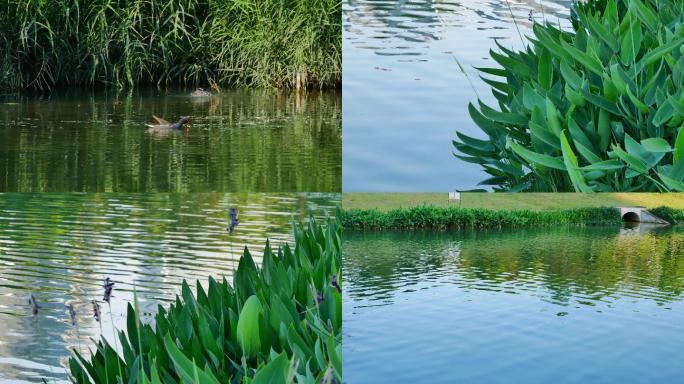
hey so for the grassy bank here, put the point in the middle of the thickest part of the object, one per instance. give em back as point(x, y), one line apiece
point(267, 43)
point(280, 323)
point(510, 201)
point(440, 218)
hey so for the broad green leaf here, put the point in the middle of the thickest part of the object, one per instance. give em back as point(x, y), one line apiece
point(248, 326)
point(537, 158)
point(274, 372)
point(631, 44)
point(656, 144)
point(570, 161)
point(679, 146)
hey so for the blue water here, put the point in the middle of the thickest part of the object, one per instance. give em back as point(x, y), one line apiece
point(596, 305)
point(403, 93)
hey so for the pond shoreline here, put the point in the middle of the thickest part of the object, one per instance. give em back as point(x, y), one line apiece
point(454, 218)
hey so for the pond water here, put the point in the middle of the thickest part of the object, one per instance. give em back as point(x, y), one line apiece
point(241, 140)
point(61, 247)
point(566, 305)
point(403, 93)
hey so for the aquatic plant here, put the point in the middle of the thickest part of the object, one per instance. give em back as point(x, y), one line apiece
point(599, 108)
point(432, 217)
point(269, 326)
point(268, 43)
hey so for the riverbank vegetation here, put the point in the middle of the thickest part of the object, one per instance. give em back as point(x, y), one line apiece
point(268, 43)
point(599, 108)
point(385, 201)
point(280, 323)
point(439, 218)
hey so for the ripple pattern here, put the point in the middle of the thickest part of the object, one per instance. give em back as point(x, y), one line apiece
point(600, 305)
point(60, 247)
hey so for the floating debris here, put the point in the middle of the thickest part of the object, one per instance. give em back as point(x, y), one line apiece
point(334, 283)
point(34, 304)
point(96, 311)
point(233, 214)
point(108, 286)
point(72, 312)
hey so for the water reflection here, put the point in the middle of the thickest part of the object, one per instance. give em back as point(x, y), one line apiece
point(404, 94)
point(575, 305)
point(241, 140)
point(578, 266)
point(62, 247)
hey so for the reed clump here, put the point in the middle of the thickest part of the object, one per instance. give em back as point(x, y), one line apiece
point(123, 43)
point(280, 323)
point(438, 218)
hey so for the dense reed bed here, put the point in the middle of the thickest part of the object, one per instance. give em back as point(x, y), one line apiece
point(431, 217)
point(280, 323)
point(267, 43)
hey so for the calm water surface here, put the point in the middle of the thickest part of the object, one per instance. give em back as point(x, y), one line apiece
point(242, 140)
point(403, 93)
point(596, 305)
point(61, 247)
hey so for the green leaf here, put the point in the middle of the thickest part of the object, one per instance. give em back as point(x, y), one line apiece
point(656, 144)
point(645, 14)
point(274, 372)
point(606, 165)
point(537, 158)
point(570, 161)
point(679, 146)
point(248, 326)
point(631, 43)
point(633, 162)
point(185, 367)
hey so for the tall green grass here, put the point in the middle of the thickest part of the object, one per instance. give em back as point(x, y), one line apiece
point(432, 217)
point(280, 323)
point(261, 43)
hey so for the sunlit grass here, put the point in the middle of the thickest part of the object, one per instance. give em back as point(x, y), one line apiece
point(510, 201)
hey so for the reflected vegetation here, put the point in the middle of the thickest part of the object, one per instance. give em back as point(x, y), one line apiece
point(61, 247)
point(572, 265)
point(600, 305)
point(241, 140)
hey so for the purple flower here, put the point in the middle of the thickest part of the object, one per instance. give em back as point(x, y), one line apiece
point(334, 283)
point(108, 286)
point(96, 311)
point(233, 213)
point(72, 312)
point(34, 304)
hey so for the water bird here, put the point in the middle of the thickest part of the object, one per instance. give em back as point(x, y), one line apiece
point(201, 92)
point(34, 304)
point(161, 124)
point(108, 286)
point(233, 214)
point(72, 312)
point(96, 311)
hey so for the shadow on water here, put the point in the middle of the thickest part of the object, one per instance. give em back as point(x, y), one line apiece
point(61, 247)
point(241, 140)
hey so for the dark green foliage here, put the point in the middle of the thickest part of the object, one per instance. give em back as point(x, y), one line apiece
point(672, 215)
point(596, 109)
point(291, 311)
point(267, 43)
point(432, 217)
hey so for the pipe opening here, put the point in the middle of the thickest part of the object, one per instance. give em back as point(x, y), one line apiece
point(631, 217)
